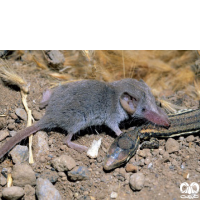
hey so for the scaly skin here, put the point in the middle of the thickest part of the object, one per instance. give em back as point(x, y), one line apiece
point(126, 145)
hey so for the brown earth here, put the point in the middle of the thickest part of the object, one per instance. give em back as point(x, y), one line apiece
point(162, 180)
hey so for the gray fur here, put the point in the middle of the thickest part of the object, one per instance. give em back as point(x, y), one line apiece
point(78, 105)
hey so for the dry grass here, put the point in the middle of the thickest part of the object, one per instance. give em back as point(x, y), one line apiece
point(161, 70)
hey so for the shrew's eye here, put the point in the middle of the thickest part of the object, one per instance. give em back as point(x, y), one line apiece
point(143, 109)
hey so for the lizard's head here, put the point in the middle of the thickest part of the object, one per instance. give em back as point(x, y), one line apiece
point(141, 104)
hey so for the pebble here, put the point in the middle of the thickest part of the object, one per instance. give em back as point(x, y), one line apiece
point(11, 126)
point(3, 122)
point(172, 145)
point(113, 195)
point(52, 176)
point(165, 157)
point(137, 181)
point(21, 113)
point(150, 165)
point(40, 144)
point(79, 173)
point(3, 134)
point(131, 168)
point(63, 163)
point(162, 152)
point(190, 138)
point(37, 115)
point(3, 180)
point(147, 161)
point(12, 193)
point(29, 192)
point(13, 116)
point(55, 58)
point(45, 190)
point(19, 154)
point(198, 169)
point(142, 153)
point(61, 174)
point(13, 133)
point(23, 175)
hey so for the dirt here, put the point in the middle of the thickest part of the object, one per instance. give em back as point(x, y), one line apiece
point(162, 180)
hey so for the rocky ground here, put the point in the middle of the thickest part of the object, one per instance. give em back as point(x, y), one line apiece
point(63, 173)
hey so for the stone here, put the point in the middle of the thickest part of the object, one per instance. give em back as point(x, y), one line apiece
point(19, 154)
point(113, 195)
point(37, 115)
point(137, 181)
point(40, 144)
point(21, 113)
point(142, 153)
point(3, 123)
point(23, 175)
point(12, 193)
point(3, 134)
point(29, 193)
point(3, 180)
point(11, 126)
point(190, 138)
point(52, 176)
point(131, 168)
point(45, 190)
point(172, 145)
point(13, 133)
point(79, 173)
point(55, 59)
point(63, 163)
point(14, 116)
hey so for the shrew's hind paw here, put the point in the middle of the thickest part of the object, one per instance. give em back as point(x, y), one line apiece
point(152, 144)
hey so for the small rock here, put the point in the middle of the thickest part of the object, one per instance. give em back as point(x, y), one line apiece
point(21, 113)
point(113, 195)
point(150, 165)
point(190, 138)
point(45, 190)
point(122, 171)
point(3, 134)
point(131, 168)
point(147, 161)
point(11, 126)
point(172, 145)
point(62, 174)
point(198, 169)
point(42, 159)
point(141, 162)
point(165, 157)
point(37, 115)
point(19, 154)
point(13, 133)
point(142, 153)
point(13, 116)
point(3, 180)
point(79, 173)
point(181, 138)
point(40, 144)
point(63, 163)
point(12, 193)
point(55, 59)
point(52, 176)
point(137, 181)
point(3, 123)
point(29, 192)
point(23, 175)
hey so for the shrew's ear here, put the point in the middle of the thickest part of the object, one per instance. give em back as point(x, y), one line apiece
point(128, 103)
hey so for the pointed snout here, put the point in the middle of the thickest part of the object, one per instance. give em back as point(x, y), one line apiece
point(159, 118)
